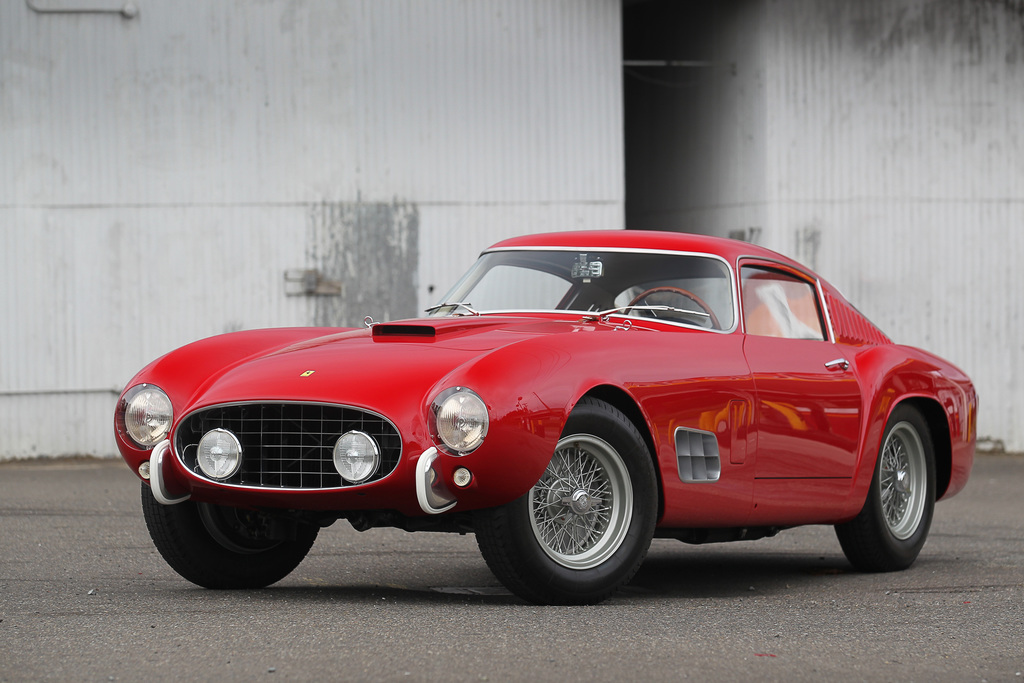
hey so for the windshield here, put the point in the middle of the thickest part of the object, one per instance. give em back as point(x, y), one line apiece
point(689, 289)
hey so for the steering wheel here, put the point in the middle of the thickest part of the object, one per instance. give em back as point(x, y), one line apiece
point(676, 291)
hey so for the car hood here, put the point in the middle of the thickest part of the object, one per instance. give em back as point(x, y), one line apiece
point(374, 367)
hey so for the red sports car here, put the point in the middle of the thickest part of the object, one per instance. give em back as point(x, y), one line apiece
point(573, 396)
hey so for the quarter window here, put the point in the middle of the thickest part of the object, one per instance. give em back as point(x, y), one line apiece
point(776, 304)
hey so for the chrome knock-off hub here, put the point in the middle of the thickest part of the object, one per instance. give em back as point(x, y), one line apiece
point(581, 502)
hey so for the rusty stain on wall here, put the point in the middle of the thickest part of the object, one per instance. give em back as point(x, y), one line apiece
point(808, 244)
point(372, 249)
point(963, 27)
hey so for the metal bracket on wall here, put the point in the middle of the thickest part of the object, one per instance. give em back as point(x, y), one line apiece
point(746, 234)
point(309, 282)
point(678, 64)
point(128, 10)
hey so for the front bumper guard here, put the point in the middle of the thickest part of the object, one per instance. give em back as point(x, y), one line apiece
point(156, 476)
point(431, 493)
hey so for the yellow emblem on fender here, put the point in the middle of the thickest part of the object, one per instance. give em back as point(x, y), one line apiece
point(307, 373)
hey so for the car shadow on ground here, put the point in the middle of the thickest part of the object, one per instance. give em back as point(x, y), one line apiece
point(665, 575)
point(729, 573)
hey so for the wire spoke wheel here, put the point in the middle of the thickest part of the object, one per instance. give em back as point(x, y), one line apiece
point(583, 529)
point(892, 527)
point(582, 506)
point(902, 480)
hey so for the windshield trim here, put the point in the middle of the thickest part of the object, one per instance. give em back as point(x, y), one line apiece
point(623, 250)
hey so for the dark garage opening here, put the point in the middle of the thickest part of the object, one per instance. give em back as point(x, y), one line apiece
point(688, 113)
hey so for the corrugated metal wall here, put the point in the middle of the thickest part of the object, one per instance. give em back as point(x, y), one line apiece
point(895, 166)
point(879, 141)
point(159, 174)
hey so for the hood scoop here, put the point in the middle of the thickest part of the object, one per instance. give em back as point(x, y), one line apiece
point(412, 330)
point(404, 330)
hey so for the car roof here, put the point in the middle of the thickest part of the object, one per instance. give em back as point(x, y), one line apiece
point(847, 323)
point(730, 250)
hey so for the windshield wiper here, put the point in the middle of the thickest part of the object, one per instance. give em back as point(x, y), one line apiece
point(599, 315)
point(455, 305)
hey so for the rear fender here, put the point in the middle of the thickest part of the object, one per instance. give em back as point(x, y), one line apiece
point(893, 375)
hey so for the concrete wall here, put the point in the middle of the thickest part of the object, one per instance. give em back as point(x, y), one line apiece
point(177, 173)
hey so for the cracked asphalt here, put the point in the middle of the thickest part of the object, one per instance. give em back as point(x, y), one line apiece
point(84, 596)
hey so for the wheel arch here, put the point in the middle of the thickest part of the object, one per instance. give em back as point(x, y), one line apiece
point(938, 428)
point(624, 403)
point(941, 394)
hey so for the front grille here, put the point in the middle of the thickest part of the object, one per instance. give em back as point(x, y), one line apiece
point(288, 445)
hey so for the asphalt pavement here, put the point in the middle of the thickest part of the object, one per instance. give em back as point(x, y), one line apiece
point(85, 597)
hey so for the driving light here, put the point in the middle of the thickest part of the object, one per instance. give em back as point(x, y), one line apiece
point(356, 456)
point(460, 419)
point(147, 415)
point(461, 477)
point(220, 454)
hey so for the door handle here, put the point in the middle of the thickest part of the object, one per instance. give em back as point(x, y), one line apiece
point(838, 363)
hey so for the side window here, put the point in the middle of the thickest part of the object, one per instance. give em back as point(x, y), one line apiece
point(776, 304)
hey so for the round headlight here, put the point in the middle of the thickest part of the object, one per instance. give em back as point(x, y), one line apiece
point(220, 454)
point(147, 415)
point(356, 456)
point(460, 419)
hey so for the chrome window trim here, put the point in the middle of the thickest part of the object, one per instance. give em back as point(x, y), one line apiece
point(810, 279)
point(734, 287)
point(825, 310)
point(284, 489)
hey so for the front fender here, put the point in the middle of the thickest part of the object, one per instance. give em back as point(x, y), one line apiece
point(528, 400)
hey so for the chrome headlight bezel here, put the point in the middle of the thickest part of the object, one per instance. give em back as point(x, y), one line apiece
point(459, 420)
point(146, 415)
point(356, 456)
point(226, 451)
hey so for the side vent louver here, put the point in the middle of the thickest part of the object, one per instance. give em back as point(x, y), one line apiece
point(697, 455)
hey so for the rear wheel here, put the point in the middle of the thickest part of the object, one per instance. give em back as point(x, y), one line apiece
point(584, 528)
point(891, 529)
point(215, 546)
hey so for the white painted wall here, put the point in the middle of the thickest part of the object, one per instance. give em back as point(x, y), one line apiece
point(158, 174)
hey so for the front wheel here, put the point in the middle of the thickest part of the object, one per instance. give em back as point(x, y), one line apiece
point(892, 527)
point(584, 528)
point(214, 546)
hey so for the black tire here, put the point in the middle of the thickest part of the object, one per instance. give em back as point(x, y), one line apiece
point(576, 542)
point(221, 547)
point(891, 529)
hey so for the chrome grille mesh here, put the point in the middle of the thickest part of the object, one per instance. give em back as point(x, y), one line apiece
point(288, 445)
